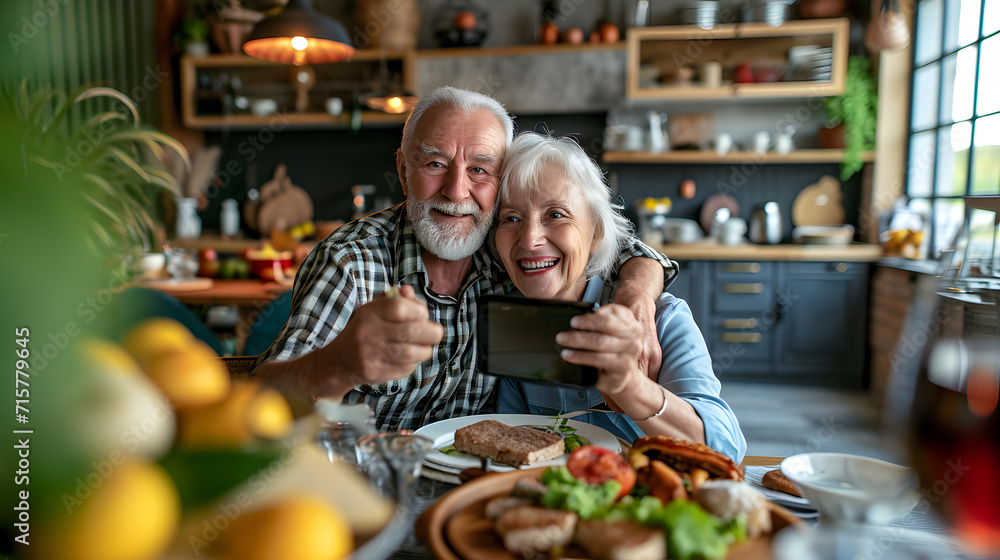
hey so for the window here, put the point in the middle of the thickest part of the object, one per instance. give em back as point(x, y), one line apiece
point(955, 110)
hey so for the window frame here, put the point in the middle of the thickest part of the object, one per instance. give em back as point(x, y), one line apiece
point(939, 60)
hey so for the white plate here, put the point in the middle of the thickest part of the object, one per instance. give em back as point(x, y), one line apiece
point(442, 433)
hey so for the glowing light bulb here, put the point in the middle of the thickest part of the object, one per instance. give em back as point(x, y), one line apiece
point(300, 43)
point(394, 104)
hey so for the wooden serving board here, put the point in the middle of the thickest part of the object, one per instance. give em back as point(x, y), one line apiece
point(455, 527)
point(171, 286)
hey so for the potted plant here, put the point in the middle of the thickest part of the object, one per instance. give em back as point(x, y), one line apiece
point(191, 36)
point(851, 117)
point(115, 165)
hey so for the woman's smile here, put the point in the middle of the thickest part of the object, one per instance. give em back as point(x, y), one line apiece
point(537, 265)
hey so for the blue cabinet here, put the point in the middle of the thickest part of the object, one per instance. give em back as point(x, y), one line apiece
point(790, 322)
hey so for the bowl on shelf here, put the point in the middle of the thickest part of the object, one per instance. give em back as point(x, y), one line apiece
point(851, 488)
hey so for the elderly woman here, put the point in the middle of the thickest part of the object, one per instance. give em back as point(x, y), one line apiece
point(557, 236)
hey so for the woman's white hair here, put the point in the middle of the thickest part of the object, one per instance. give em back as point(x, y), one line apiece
point(522, 173)
point(467, 101)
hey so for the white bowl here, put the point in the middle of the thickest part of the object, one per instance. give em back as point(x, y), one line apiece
point(852, 488)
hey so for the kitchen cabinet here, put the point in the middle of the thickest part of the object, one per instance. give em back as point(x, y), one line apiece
point(781, 321)
point(656, 54)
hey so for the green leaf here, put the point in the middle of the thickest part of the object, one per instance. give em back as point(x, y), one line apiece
point(203, 476)
point(129, 162)
point(113, 93)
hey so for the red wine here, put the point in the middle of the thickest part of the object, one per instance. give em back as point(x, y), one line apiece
point(955, 446)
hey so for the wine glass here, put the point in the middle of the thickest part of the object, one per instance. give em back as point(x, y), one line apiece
point(942, 402)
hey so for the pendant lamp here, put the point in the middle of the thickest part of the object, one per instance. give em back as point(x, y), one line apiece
point(299, 35)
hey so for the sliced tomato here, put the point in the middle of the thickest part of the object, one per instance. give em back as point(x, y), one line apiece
point(597, 465)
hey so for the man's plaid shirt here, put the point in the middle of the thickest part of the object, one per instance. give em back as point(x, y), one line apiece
point(365, 258)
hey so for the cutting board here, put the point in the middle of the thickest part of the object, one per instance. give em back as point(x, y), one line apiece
point(819, 204)
point(172, 286)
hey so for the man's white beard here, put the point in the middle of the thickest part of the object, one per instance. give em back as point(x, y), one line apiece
point(450, 242)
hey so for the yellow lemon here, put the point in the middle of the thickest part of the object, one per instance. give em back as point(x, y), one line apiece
point(191, 377)
point(269, 415)
point(132, 514)
point(155, 337)
point(247, 411)
point(110, 357)
point(296, 527)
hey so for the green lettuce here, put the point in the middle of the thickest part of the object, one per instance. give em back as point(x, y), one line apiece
point(692, 532)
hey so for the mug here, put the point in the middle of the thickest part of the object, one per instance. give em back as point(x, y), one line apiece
point(731, 231)
point(635, 139)
point(711, 74)
point(335, 106)
point(783, 143)
point(723, 143)
point(761, 141)
point(263, 107)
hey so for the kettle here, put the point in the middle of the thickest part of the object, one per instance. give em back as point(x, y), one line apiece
point(765, 226)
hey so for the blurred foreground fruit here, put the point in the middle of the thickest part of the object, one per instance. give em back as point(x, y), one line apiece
point(247, 411)
point(122, 410)
point(155, 337)
point(299, 527)
point(131, 514)
point(194, 376)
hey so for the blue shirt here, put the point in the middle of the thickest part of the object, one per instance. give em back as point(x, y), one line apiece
point(686, 371)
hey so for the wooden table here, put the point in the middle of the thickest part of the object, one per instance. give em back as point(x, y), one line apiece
point(761, 461)
point(241, 293)
point(249, 297)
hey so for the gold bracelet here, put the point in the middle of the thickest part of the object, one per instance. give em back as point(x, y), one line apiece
point(662, 408)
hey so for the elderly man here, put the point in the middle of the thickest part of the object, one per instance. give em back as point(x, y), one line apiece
point(412, 358)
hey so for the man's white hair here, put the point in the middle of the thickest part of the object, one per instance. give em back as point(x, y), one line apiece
point(523, 170)
point(467, 101)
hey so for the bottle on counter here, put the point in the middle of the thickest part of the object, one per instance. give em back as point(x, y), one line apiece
point(188, 223)
point(229, 219)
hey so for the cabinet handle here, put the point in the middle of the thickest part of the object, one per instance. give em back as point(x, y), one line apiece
point(748, 267)
point(743, 288)
point(742, 338)
point(750, 323)
point(842, 267)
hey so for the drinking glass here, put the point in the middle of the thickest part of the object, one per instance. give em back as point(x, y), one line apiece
point(942, 403)
point(391, 462)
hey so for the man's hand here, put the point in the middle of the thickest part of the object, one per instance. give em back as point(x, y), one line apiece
point(385, 339)
point(641, 285)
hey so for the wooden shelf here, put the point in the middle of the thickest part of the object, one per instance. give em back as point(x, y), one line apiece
point(246, 64)
point(368, 118)
point(520, 50)
point(217, 60)
point(711, 250)
point(670, 47)
point(690, 156)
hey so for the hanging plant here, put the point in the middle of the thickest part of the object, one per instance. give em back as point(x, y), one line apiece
point(856, 109)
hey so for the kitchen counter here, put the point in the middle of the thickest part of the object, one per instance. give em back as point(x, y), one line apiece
point(711, 250)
